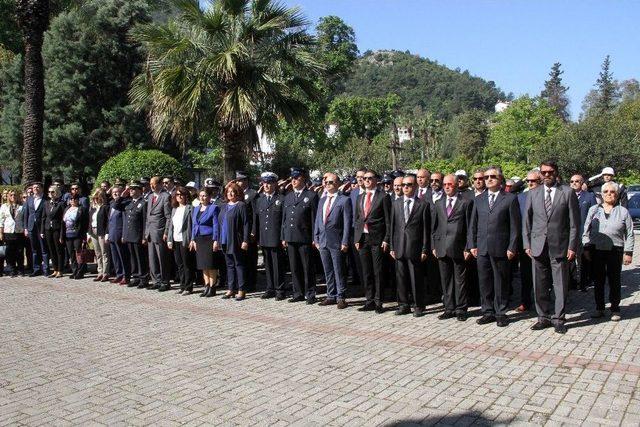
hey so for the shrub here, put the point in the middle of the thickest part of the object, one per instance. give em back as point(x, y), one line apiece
point(134, 164)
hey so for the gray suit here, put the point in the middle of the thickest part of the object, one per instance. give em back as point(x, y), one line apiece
point(155, 232)
point(549, 238)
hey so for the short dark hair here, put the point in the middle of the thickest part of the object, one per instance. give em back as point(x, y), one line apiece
point(551, 164)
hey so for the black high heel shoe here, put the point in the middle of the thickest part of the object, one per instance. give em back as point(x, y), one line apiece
point(205, 292)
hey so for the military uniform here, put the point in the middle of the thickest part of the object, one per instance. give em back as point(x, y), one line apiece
point(132, 235)
point(267, 225)
point(297, 231)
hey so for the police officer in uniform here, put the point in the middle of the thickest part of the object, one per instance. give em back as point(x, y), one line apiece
point(300, 207)
point(267, 225)
point(133, 236)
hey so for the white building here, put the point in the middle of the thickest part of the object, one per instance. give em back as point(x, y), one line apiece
point(501, 106)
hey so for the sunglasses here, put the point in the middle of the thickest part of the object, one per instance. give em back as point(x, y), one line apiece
point(608, 192)
point(449, 184)
point(551, 172)
point(486, 177)
point(576, 181)
point(74, 188)
point(166, 182)
point(478, 178)
point(407, 184)
point(369, 178)
point(330, 182)
point(532, 180)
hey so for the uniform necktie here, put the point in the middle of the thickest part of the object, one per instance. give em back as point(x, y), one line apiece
point(327, 209)
point(269, 198)
point(547, 202)
point(492, 199)
point(407, 210)
point(367, 208)
point(449, 207)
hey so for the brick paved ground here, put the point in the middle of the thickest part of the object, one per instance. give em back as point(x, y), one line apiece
point(73, 352)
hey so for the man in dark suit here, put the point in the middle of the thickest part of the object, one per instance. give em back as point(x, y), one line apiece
point(298, 220)
point(119, 252)
point(135, 214)
point(410, 245)
point(552, 220)
point(32, 219)
point(581, 269)
point(494, 231)
point(423, 191)
point(331, 236)
point(526, 268)
point(266, 229)
point(450, 217)
point(155, 234)
point(371, 237)
point(354, 264)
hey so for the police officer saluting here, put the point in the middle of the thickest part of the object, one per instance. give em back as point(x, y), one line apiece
point(300, 207)
point(266, 229)
point(133, 236)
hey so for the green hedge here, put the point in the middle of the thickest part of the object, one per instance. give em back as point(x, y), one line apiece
point(135, 164)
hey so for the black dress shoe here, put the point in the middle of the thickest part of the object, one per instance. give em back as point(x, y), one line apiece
point(297, 299)
point(164, 288)
point(501, 322)
point(379, 309)
point(153, 287)
point(280, 298)
point(268, 295)
point(401, 311)
point(205, 291)
point(367, 307)
point(35, 273)
point(132, 284)
point(312, 300)
point(560, 328)
point(446, 315)
point(418, 312)
point(461, 317)
point(211, 293)
point(142, 285)
point(540, 325)
point(486, 319)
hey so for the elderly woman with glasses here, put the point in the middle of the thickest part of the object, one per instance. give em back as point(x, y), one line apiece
point(608, 243)
point(52, 229)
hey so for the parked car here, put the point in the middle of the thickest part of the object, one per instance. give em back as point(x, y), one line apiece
point(632, 190)
point(634, 209)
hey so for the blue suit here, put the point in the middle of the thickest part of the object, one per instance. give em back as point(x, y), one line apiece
point(119, 251)
point(205, 224)
point(32, 220)
point(330, 233)
point(585, 201)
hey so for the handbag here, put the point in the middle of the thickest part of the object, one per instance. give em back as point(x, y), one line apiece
point(85, 255)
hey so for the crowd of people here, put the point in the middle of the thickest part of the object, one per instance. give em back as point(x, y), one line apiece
point(423, 237)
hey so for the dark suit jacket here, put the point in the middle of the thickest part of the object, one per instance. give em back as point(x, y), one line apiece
point(468, 194)
point(158, 215)
point(102, 219)
point(52, 215)
point(32, 217)
point(559, 230)
point(585, 201)
point(299, 217)
point(496, 231)
point(412, 239)
point(135, 214)
point(336, 231)
point(378, 220)
point(116, 218)
point(449, 234)
point(187, 224)
point(267, 220)
point(237, 226)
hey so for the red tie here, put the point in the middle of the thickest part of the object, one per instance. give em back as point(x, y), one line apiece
point(367, 208)
point(328, 209)
point(154, 199)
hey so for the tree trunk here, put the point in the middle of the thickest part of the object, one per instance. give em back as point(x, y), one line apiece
point(237, 146)
point(33, 17)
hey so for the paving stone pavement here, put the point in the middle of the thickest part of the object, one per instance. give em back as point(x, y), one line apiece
point(80, 353)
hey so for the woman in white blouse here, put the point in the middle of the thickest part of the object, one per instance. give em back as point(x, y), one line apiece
point(180, 237)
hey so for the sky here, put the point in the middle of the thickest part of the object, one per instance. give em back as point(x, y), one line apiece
point(512, 42)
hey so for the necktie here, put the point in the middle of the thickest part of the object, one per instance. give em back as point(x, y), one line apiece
point(297, 195)
point(154, 199)
point(268, 198)
point(547, 202)
point(449, 207)
point(421, 194)
point(492, 199)
point(367, 208)
point(407, 210)
point(327, 209)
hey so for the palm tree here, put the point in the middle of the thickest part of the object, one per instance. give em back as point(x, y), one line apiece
point(235, 65)
point(33, 19)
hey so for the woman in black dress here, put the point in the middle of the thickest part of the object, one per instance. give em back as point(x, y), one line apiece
point(204, 231)
point(52, 229)
point(234, 240)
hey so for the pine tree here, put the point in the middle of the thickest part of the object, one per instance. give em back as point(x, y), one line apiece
point(608, 93)
point(556, 93)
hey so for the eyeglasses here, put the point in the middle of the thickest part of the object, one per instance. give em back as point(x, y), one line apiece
point(576, 181)
point(449, 184)
point(369, 178)
point(435, 180)
point(330, 182)
point(486, 177)
point(478, 178)
point(551, 172)
point(166, 182)
point(532, 180)
point(608, 192)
